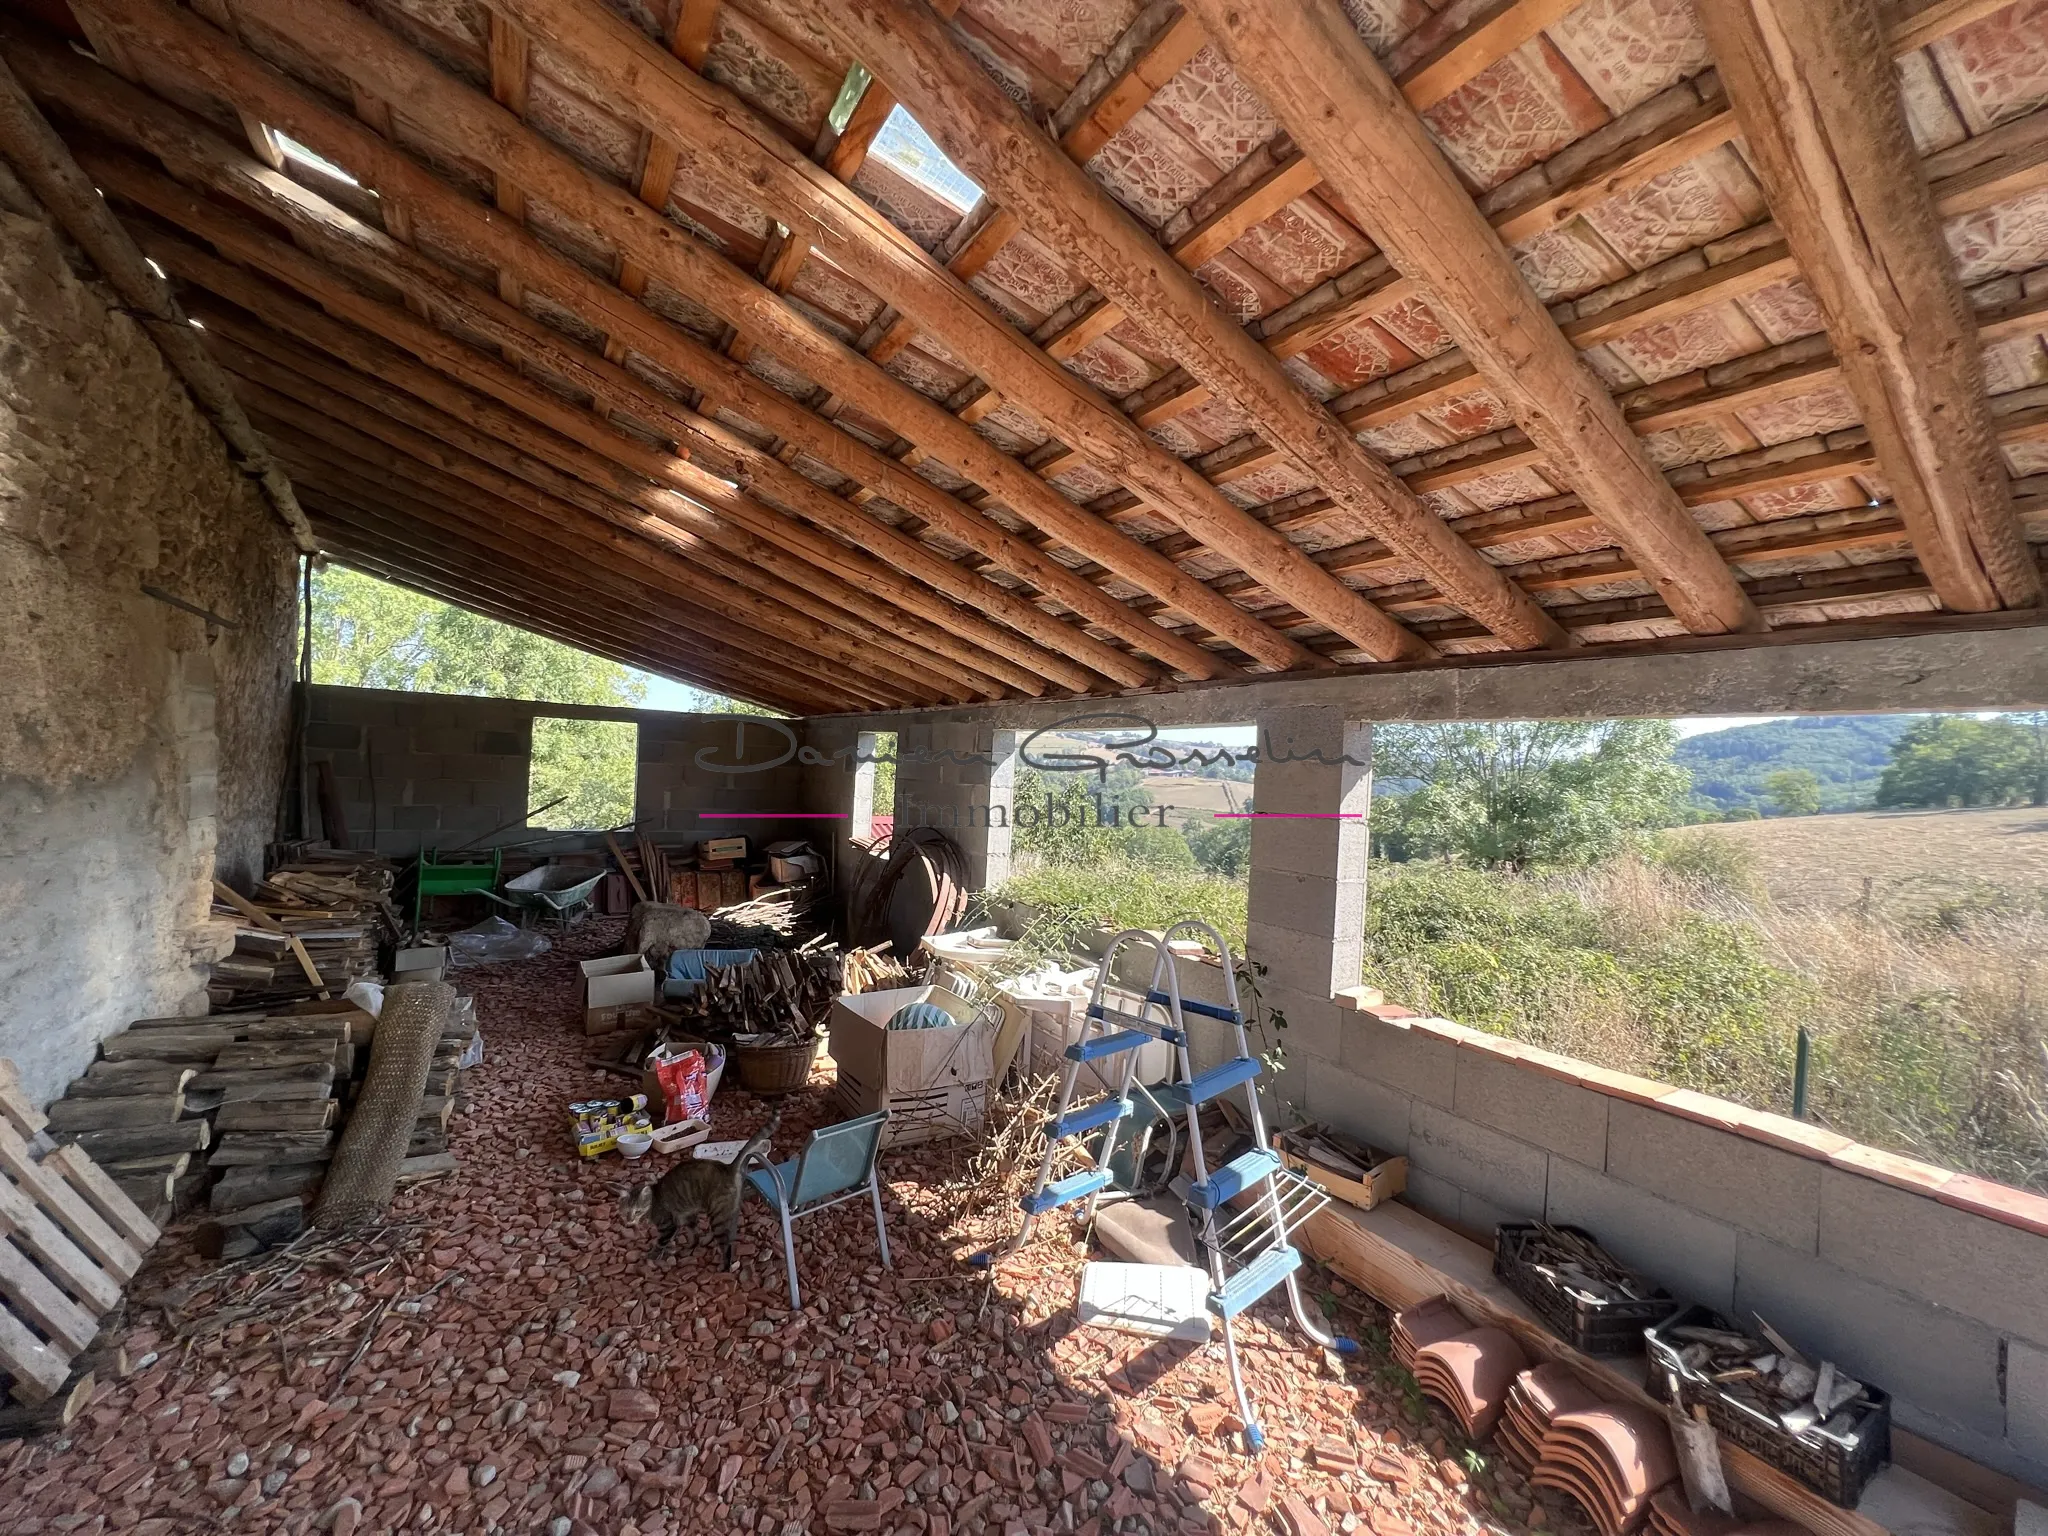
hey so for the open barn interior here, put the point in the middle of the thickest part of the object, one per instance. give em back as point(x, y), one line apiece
point(927, 379)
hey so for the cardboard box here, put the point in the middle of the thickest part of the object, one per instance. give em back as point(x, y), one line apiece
point(427, 962)
point(932, 1080)
point(1386, 1178)
point(613, 983)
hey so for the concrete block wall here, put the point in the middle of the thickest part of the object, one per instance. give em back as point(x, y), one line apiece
point(425, 770)
point(951, 770)
point(1933, 1285)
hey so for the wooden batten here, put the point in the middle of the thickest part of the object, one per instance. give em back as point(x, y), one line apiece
point(1815, 89)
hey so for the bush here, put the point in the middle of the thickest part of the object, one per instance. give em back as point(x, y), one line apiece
point(1717, 865)
point(1076, 897)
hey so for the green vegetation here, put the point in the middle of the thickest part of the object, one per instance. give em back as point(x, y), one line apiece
point(1845, 754)
point(589, 766)
point(1953, 760)
point(1795, 791)
point(1521, 794)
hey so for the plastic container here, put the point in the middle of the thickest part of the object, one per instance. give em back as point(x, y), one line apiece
point(1837, 1467)
point(1591, 1327)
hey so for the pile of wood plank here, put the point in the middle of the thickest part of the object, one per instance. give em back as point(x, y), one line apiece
point(307, 930)
point(70, 1240)
point(240, 1110)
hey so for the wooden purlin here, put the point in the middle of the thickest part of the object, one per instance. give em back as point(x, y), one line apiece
point(367, 473)
point(1816, 92)
point(962, 637)
point(734, 147)
point(771, 607)
point(366, 253)
point(323, 229)
point(1305, 59)
point(690, 266)
point(987, 134)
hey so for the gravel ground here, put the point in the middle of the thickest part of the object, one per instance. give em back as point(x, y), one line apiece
point(502, 1353)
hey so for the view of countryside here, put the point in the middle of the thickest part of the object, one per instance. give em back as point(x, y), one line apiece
point(1682, 906)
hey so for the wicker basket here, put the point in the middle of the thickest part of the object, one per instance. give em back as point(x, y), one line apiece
point(769, 1070)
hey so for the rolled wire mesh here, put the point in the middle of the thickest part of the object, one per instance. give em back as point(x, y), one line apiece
point(364, 1173)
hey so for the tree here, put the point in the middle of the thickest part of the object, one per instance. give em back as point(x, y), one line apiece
point(1519, 793)
point(1795, 791)
point(1223, 847)
point(1955, 760)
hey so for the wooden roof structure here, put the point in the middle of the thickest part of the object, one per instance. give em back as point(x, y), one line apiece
point(1238, 336)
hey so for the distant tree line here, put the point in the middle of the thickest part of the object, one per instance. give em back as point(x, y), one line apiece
point(1956, 760)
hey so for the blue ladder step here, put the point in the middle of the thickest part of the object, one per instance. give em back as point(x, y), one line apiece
point(1076, 1122)
point(1108, 1045)
point(1234, 1178)
point(1188, 1005)
point(1220, 1080)
point(1075, 1186)
point(1253, 1281)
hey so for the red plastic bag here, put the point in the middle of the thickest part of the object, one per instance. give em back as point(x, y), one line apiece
point(685, 1088)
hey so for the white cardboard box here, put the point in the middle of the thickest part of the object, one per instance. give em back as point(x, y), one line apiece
point(615, 982)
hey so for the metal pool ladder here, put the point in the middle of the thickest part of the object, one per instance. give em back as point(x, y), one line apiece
point(1248, 1250)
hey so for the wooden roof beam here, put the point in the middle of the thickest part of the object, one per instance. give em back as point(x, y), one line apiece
point(200, 157)
point(985, 132)
point(607, 619)
point(1817, 95)
point(1305, 59)
point(735, 144)
point(461, 116)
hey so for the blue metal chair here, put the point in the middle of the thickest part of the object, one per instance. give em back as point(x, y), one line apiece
point(834, 1166)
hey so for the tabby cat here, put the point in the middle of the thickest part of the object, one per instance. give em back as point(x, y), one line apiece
point(698, 1185)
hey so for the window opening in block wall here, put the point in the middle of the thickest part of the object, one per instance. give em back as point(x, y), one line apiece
point(583, 772)
point(906, 147)
point(874, 786)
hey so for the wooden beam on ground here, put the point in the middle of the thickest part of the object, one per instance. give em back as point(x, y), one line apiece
point(1815, 88)
point(462, 116)
point(988, 135)
point(52, 174)
point(1306, 60)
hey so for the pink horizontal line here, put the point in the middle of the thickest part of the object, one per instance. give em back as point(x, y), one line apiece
point(1287, 815)
point(774, 815)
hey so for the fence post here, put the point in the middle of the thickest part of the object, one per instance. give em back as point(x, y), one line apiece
point(1800, 1059)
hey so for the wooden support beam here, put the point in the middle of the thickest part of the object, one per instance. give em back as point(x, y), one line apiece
point(987, 134)
point(202, 159)
point(1304, 58)
point(462, 116)
point(1127, 94)
point(1815, 88)
point(858, 136)
point(1466, 56)
point(736, 142)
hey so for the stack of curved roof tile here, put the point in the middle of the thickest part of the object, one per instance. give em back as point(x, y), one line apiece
point(1538, 1396)
point(1612, 1459)
point(1469, 1370)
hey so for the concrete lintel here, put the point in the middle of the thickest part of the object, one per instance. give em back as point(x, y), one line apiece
point(1981, 662)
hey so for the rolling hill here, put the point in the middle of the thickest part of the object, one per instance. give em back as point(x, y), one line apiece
point(1847, 753)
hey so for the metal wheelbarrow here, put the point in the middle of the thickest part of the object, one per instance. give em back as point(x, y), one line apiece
point(551, 891)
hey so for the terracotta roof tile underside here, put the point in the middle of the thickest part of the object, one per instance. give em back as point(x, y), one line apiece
point(1327, 335)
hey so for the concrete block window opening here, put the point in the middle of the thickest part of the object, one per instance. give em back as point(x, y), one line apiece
point(581, 775)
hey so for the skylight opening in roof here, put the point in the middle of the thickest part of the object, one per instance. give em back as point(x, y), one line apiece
point(908, 149)
point(297, 151)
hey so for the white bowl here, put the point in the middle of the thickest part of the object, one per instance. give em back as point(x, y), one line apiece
point(633, 1145)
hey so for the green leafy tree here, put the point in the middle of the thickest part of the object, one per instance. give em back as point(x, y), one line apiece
point(1954, 760)
point(1795, 791)
point(1222, 847)
point(1517, 794)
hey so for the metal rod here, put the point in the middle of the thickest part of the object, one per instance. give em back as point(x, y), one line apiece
point(1801, 1060)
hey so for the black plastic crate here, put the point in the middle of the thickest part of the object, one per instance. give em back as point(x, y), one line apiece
point(1837, 1467)
point(1593, 1327)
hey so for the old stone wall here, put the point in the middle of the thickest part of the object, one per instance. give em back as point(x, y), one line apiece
point(141, 745)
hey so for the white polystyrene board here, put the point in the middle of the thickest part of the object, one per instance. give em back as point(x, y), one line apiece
point(1160, 1301)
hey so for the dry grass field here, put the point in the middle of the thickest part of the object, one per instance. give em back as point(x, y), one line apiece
point(1911, 858)
point(1193, 800)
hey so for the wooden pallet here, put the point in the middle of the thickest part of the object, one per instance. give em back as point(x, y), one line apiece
point(70, 1240)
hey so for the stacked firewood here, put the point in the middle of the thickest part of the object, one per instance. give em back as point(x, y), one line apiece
point(242, 1111)
point(306, 931)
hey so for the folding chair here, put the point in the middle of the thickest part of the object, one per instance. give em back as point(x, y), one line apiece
point(833, 1167)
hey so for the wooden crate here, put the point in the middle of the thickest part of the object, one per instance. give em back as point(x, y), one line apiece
point(1386, 1179)
point(70, 1240)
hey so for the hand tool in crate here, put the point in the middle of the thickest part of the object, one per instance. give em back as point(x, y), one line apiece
point(1809, 1420)
point(1579, 1290)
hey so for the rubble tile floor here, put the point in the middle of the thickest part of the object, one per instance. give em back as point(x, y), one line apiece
point(502, 1353)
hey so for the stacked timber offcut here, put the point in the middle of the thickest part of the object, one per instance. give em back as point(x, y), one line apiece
point(305, 931)
point(243, 1111)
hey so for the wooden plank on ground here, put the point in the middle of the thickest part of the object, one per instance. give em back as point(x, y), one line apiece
point(37, 1369)
point(224, 892)
point(15, 1109)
